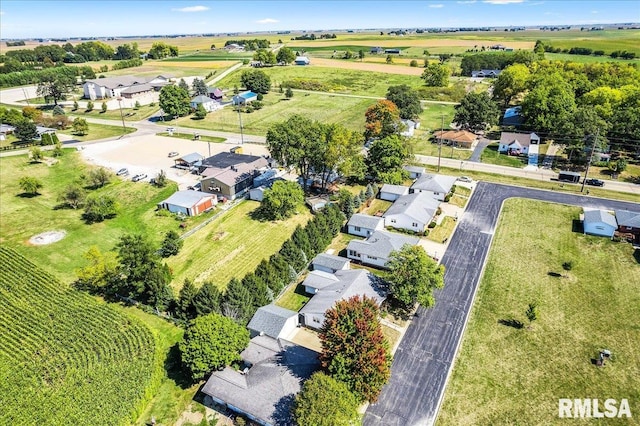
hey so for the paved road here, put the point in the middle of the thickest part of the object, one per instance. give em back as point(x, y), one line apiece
point(425, 357)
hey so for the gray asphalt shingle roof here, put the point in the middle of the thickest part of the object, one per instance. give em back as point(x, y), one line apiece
point(270, 320)
point(202, 99)
point(419, 206)
point(414, 169)
point(394, 189)
point(628, 218)
point(381, 244)
point(187, 198)
point(599, 216)
point(330, 261)
point(434, 183)
point(365, 221)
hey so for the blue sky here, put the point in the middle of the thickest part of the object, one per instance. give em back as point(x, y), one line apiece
point(100, 18)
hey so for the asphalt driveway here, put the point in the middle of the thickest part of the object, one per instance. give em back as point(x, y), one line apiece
point(425, 357)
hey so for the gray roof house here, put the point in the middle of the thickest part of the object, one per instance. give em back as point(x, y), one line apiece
point(264, 391)
point(273, 321)
point(414, 171)
point(390, 192)
point(599, 222)
point(364, 225)
point(412, 212)
point(207, 103)
point(329, 263)
point(376, 249)
point(438, 185)
point(629, 223)
point(517, 143)
point(340, 286)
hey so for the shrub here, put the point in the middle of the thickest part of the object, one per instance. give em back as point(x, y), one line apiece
point(104, 107)
point(413, 63)
point(57, 110)
point(90, 106)
point(260, 96)
point(432, 225)
point(447, 198)
point(568, 265)
point(137, 105)
point(75, 105)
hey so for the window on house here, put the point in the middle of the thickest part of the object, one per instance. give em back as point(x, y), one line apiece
point(393, 221)
point(357, 228)
point(372, 257)
point(415, 225)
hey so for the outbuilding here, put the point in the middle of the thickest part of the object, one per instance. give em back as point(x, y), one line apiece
point(599, 222)
point(189, 203)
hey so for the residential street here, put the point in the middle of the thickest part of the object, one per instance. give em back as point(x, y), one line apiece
point(425, 357)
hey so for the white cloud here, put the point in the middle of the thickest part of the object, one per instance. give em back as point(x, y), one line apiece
point(535, 4)
point(466, 1)
point(502, 1)
point(594, 11)
point(267, 21)
point(191, 9)
point(436, 6)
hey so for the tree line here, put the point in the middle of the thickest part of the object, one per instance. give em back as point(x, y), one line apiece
point(495, 60)
point(252, 44)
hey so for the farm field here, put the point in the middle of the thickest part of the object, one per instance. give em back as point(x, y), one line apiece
point(65, 357)
point(513, 375)
point(231, 246)
point(348, 111)
point(23, 217)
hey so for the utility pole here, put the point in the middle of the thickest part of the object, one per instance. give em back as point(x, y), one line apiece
point(440, 141)
point(124, 128)
point(240, 118)
point(593, 147)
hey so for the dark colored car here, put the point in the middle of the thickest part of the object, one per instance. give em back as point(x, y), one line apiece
point(594, 182)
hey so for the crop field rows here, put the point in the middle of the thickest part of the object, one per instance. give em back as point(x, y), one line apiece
point(64, 357)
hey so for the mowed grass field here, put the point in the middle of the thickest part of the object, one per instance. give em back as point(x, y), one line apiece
point(505, 375)
point(231, 246)
point(348, 111)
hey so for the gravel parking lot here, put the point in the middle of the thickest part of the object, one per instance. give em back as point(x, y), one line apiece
point(149, 154)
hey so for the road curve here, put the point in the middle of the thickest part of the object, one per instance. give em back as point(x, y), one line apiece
point(425, 357)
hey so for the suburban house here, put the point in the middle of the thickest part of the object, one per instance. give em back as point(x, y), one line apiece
point(244, 98)
point(208, 103)
point(485, 73)
point(409, 127)
point(264, 389)
point(301, 60)
point(230, 175)
point(376, 50)
point(628, 224)
point(393, 51)
point(330, 263)
point(189, 203)
point(364, 225)
point(517, 143)
point(457, 138)
point(376, 249)
point(126, 86)
point(188, 161)
point(437, 185)
point(412, 212)
point(513, 116)
point(414, 171)
point(390, 192)
point(327, 289)
point(599, 222)
point(273, 321)
point(215, 93)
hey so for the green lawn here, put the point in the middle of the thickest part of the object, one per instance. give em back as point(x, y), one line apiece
point(325, 108)
point(129, 114)
point(377, 205)
point(231, 246)
point(24, 217)
point(294, 298)
point(340, 242)
point(507, 375)
point(443, 230)
point(98, 131)
point(490, 155)
point(587, 59)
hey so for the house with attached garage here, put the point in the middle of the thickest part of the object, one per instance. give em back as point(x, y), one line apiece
point(438, 186)
point(628, 224)
point(376, 250)
point(273, 321)
point(364, 225)
point(230, 175)
point(207, 103)
point(411, 212)
point(329, 263)
point(599, 222)
point(390, 192)
point(189, 203)
point(327, 289)
point(517, 143)
point(457, 138)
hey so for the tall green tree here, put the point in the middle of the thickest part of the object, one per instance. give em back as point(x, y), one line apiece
point(211, 342)
point(99, 207)
point(238, 302)
point(285, 55)
point(100, 273)
point(281, 200)
point(80, 126)
point(56, 87)
point(265, 56)
point(550, 104)
point(354, 350)
point(381, 120)
point(325, 401)
point(25, 131)
point(256, 80)
point(413, 276)
point(185, 307)
point(406, 99)
point(208, 299)
point(199, 87)
point(436, 75)
point(476, 112)
point(511, 83)
point(73, 196)
point(160, 50)
point(171, 244)
point(174, 101)
point(385, 159)
point(99, 177)
point(30, 185)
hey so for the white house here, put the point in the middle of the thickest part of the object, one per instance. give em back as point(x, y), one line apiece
point(411, 212)
point(599, 222)
point(364, 225)
point(414, 171)
point(376, 249)
point(329, 263)
point(208, 103)
point(273, 321)
point(437, 185)
point(390, 192)
point(517, 143)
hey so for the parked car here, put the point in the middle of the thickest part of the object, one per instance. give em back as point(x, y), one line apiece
point(465, 179)
point(594, 182)
point(173, 154)
point(122, 172)
point(139, 177)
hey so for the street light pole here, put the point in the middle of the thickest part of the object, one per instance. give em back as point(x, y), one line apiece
point(124, 128)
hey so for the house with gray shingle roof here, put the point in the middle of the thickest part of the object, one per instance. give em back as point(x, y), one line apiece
point(273, 321)
point(264, 389)
point(517, 143)
point(628, 223)
point(329, 263)
point(364, 225)
point(376, 249)
point(390, 192)
point(599, 222)
point(207, 103)
point(412, 212)
point(414, 171)
point(341, 286)
point(437, 185)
